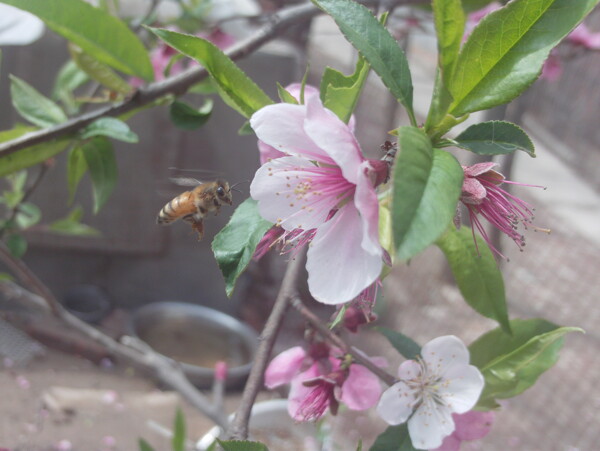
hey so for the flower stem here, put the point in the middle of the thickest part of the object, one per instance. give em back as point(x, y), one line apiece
point(334, 339)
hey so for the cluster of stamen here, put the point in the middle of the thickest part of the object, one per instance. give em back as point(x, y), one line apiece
point(503, 210)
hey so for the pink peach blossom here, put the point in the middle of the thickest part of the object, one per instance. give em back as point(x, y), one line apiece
point(483, 196)
point(321, 379)
point(323, 186)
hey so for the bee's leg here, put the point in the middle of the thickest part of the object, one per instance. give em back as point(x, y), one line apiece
point(198, 226)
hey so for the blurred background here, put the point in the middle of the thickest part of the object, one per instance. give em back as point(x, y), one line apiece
point(135, 262)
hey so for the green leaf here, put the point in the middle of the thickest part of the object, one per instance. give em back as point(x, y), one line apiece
point(33, 106)
point(512, 364)
point(17, 245)
point(30, 156)
point(5, 277)
point(71, 225)
point(477, 274)
point(340, 93)
point(394, 438)
point(504, 54)
point(495, 138)
point(178, 441)
point(242, 445)
point(376, 45)
point(285, 96)
point(76, 168)
point(101, 35)
point(28, 215)
point(339, 318)
point(427, 185)
point(403, 344)
point(99, 72)
point(100, 159)
point(189, 118)
point(69, 78)
point(110, 127)
point(449, 20)
point(235, 244)
point(144, 445)
point(234, 86)
point(474, 5)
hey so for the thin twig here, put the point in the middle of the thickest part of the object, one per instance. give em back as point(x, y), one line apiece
point(165, 370)
point(238, 429)
point(336, 340)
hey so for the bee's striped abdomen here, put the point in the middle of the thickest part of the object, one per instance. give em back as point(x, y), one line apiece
point(176, 208)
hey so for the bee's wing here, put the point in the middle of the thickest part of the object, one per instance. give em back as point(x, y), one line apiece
point(185, 181)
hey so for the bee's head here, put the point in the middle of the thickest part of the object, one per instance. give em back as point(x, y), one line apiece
point(223, 192)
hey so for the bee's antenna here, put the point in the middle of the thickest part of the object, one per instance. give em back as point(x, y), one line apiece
point(238, 183)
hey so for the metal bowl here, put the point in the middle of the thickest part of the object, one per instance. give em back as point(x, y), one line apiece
point(197, 337)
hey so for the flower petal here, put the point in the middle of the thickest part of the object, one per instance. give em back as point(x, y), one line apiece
point(473, 192)
point(284, 367)
point(339, 241)
point(365, 200)
point(267, 152)
point(430, 424)
point(462, 387)
point(473, 425)
point(397, 403)
point(409, 370)
point(443, 353)
point(299, 392)
point(450, 443)
point(282, 126)
point(335, 137)
point(279, 186)
point(309, 91)
point(361, 390)
point(478, 168)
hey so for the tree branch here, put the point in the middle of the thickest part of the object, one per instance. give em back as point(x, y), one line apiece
point(133, 350)
point(179, 84)
point(334, 339)
point(176, 85)
point(238, 429)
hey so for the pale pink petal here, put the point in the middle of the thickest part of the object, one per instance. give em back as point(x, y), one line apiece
point(279, 186)
point(473, 192)
point(219, 38)
point(450, 443)
point(581, 35)
point(361, 390)
point(338, 242)
point(430, 424)
point(365, 200)
point(282, 126)
point(299, 392)
point(478, 168)
point(268, 152)
point(473, 425)
point(552, 68)
point(334, 137)
point(409, 369)
point(309, 91)
point(444, 353)
point(397, 403)
point(462, 387)
point(284, 367)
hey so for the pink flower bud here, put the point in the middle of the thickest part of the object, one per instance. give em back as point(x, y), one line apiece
point(221, 371)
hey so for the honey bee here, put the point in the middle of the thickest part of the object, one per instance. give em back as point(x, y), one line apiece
point(192, 206)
